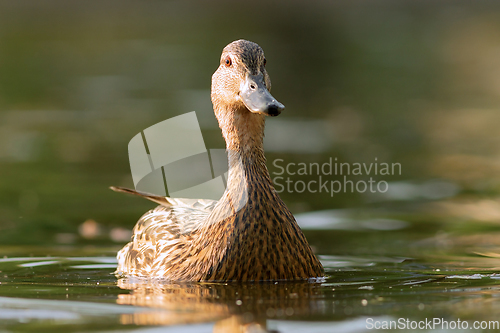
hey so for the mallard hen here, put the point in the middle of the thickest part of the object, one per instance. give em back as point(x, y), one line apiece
point(249, 234)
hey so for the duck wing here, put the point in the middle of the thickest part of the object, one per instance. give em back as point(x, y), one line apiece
point(179, 213)
point(155, 198)
point(161, 231)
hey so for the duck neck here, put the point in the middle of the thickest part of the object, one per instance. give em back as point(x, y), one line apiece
point(242, 129)
point(244, 133)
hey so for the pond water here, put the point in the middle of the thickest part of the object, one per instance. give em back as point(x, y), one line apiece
point(378, 272)
point(414, 85)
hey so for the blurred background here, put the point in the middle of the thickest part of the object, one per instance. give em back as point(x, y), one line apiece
point(413, 82)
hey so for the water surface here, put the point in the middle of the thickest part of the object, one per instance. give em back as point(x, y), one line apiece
point(372, 276)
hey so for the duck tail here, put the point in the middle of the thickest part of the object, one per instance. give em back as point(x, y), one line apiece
point(155, 198)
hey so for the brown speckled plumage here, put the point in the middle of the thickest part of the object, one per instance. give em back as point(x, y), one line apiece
point(204, 240)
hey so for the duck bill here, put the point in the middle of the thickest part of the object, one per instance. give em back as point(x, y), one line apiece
point(257, 98)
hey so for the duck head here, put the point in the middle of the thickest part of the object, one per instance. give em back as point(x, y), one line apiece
point(241, 82)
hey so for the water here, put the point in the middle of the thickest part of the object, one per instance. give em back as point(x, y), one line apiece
point(414, 84)
point(373, 277)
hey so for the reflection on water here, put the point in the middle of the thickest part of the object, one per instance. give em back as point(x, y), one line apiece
point(234, 304)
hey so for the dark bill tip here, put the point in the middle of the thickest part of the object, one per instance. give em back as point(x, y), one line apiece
point(275, 109)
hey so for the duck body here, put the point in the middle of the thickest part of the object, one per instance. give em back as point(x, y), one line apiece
point(249, 234)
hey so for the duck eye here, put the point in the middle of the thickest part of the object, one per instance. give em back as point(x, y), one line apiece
point(228, 61)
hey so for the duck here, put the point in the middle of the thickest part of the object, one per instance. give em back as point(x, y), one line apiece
point(249, 234)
